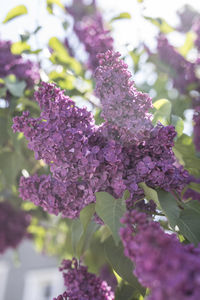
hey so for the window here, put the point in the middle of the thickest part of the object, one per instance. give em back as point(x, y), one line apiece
point(43, 284)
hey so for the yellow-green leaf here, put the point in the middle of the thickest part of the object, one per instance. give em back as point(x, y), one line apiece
point(163, 111)
point(123, 15)
point(188, 44)
point(163, 26)
point(20, 47)
point(57, 2)
point(15, 12)
point(61, 56)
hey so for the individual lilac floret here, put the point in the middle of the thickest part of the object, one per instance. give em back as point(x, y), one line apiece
point(196, 119)
point(82, 285)
point(123, 106)
point(170, 270)
point(13, 226)
point(89, 27)
point(15, 64)
point(184, 71)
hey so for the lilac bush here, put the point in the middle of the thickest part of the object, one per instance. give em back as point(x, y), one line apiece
point(93, 167)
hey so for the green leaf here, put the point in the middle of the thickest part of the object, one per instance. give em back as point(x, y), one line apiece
point(178, 124)
point(3, 130)
point(15, 87)
point(61, 56)
point(163, 111)
point(123, 15)
point(135, 55)
point(83, 229)
point(57, 2)
point(122, 265)
point(185, 153)
point(19, 47)
point(11, 164)
point(27, 102)
point(189, 222)
point(2, 92)
point(194, 186)
point(163, 26)
point(76, 233)
point(64, 80)
point(85, 239)
point(110, 210)
point(150, 194)
point(86, 215)
point(104, 233)
point(15, 12)
point(126, 292)
point(169, 207)
point(188, 44)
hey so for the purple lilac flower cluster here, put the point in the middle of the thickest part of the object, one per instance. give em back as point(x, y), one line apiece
point(90, 30)
point(168, 268)
point(14, 64)
point(83, 285)
point(196, 28)
point(123, 106)
point(187, 15)
point(184, 71)
point(185, 75)
point(13, 226)
point(81, 160)
point(153, 161)
point(85, 158)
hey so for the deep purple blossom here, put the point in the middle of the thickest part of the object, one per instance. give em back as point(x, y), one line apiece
point(191, 194)
point(82, 285)
point(124, 107)
point(187, 16)
point(85, 158)
point(153, 162)
point(89, 27)
point(13, 226)
point(168, 268)
point(55, 196)
point(60, 135)
point(14, 64)
point(183, 73)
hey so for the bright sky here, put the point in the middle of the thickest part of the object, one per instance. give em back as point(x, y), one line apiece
point(130, 31)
